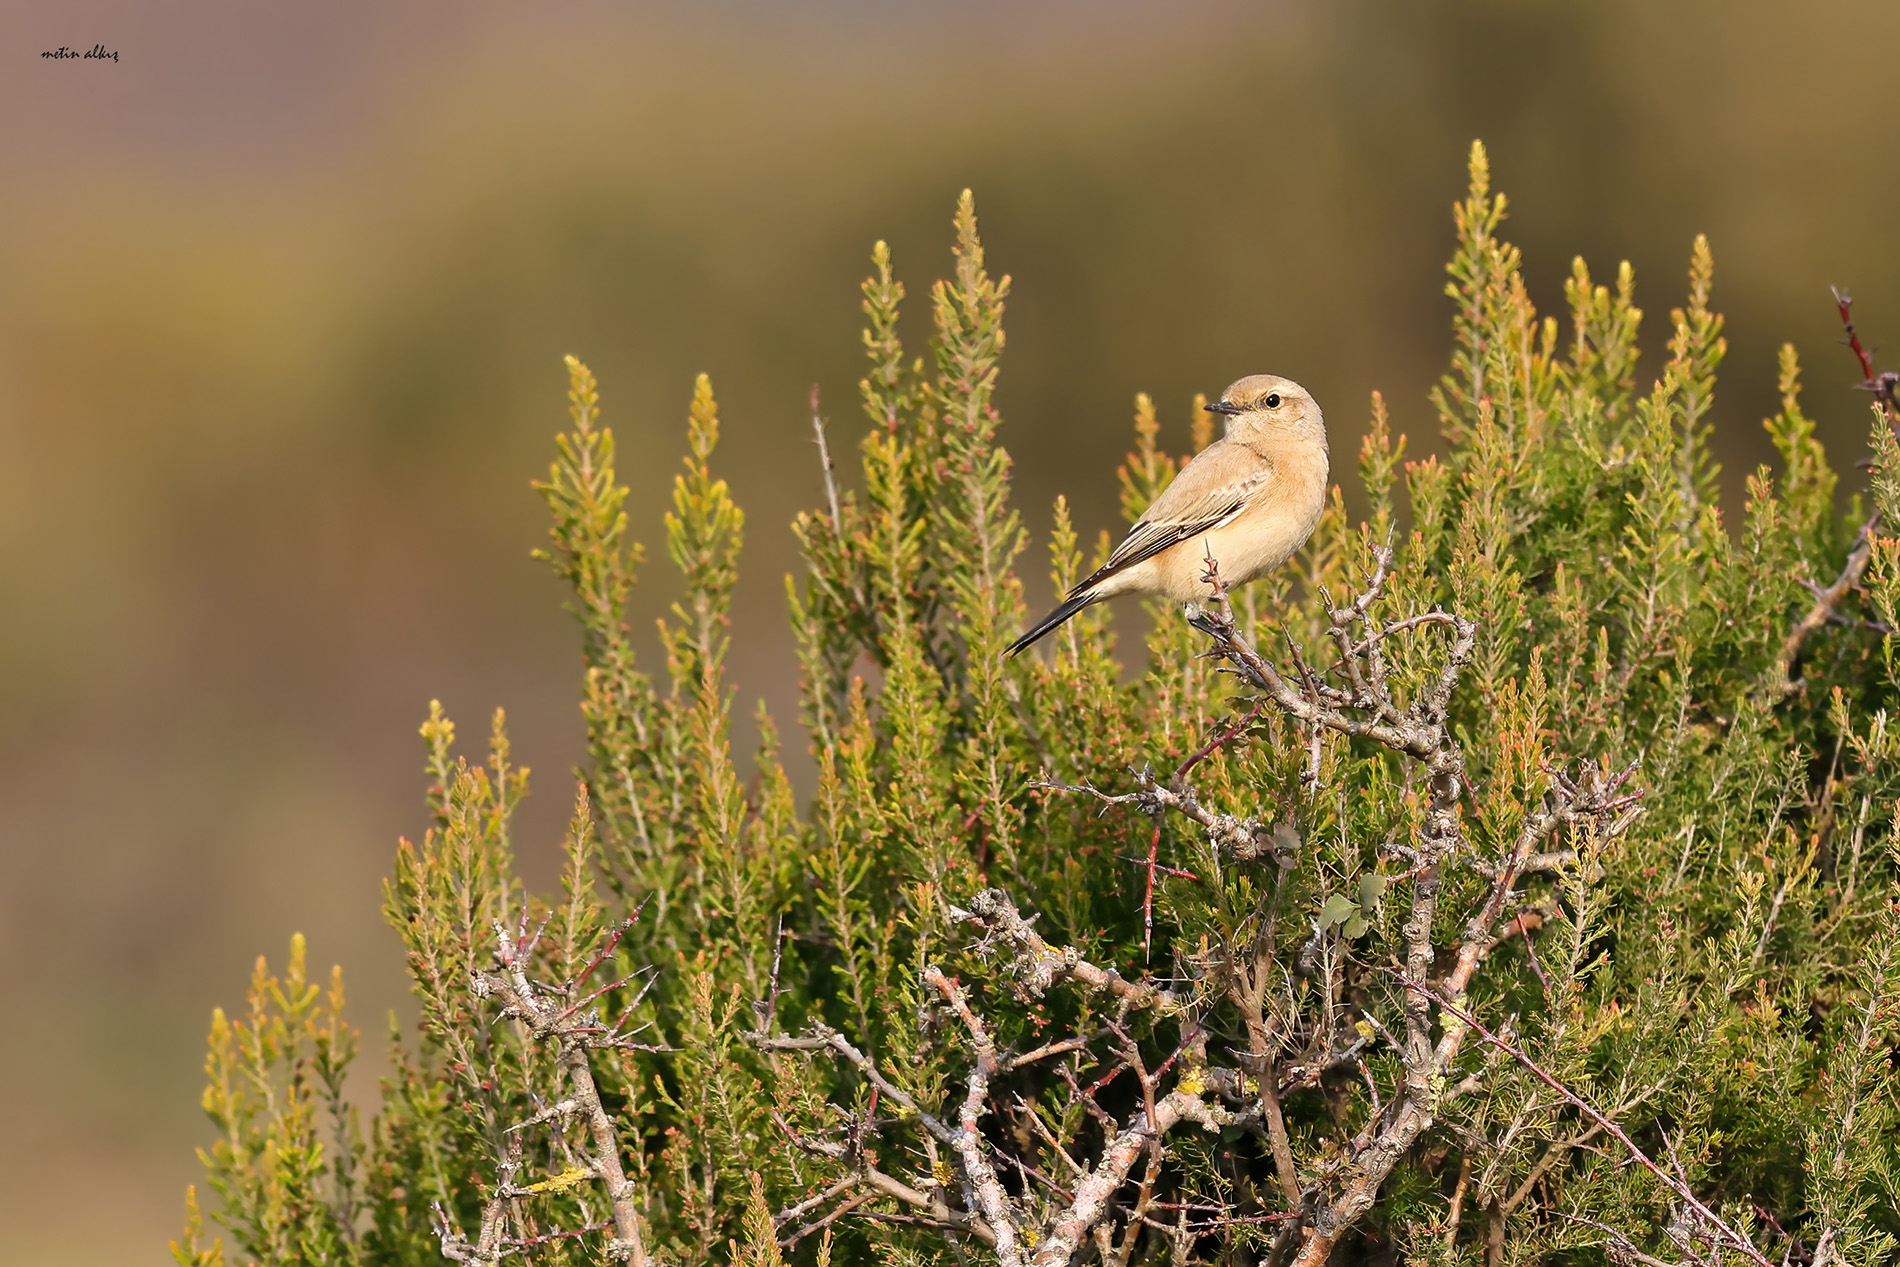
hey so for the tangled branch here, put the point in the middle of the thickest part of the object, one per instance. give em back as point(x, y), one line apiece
point(1046, 1220)
point(563, 1017)
point(1357, 699)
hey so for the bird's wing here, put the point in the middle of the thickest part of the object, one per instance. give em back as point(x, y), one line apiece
point(1206, 494)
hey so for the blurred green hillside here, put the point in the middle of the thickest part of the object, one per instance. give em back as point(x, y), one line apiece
point(283, 299)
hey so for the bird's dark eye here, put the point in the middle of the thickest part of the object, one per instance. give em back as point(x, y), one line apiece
point(1273, 401)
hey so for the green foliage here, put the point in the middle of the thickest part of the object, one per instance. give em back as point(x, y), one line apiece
point(1426, 976)
point(285, 1163)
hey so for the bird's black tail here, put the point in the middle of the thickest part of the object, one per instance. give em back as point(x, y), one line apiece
point(1047, 625)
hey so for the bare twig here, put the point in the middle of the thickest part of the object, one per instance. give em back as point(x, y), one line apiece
point(1221, 739)
point(805, 1207)
point(1619, 1240)
point(1825, 603)
point(1038, 965)
point(1022, 1230)
point(967, 1140)
point(822, 1037)
point(1244, 839)
point(552, 1015)
point(1070, 1229)
point(1148, 895)
point(1882, 385)
point(1161, 868)
point(824, 459)
point(863, 1173)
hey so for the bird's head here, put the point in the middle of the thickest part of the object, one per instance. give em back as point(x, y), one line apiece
point(1266, 407)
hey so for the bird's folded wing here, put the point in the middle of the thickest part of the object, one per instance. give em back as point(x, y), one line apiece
point(1204, 496)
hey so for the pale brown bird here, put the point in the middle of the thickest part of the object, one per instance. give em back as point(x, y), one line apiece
point(1248, 500)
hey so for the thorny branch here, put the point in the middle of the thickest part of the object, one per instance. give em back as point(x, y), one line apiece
point(1882, 385)
point(1827, 601)
point(1045, 1222)
point(1038, 965)
point(1356, 698)
point(561, 1016)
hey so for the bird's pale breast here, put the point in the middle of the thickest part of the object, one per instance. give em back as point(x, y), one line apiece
point(1259, 539)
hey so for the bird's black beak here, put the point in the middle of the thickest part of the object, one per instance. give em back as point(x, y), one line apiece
point(1222, 407)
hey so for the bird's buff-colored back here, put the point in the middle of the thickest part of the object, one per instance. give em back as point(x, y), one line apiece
point(1248, 501)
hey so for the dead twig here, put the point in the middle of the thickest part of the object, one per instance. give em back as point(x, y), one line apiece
point(1038, 965)
point(1826, 601)
point(1883, 385)
point(824, 460)
point(552, 1015)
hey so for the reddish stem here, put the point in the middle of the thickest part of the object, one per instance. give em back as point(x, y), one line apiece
point(1845, 302)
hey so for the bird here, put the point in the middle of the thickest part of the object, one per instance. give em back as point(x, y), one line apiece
point(1247, 501)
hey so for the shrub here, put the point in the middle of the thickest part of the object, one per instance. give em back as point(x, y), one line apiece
point(1516, 887)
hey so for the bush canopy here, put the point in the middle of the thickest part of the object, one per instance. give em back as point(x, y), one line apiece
point(1509, 879)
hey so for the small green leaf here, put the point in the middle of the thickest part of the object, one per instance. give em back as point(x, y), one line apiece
point(1338, 909)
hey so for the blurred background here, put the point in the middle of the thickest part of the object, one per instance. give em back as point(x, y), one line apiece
point(285, 289)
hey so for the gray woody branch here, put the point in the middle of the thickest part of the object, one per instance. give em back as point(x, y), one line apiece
point(1022, 1233)
point(1356, 699)
point(560, 1016)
